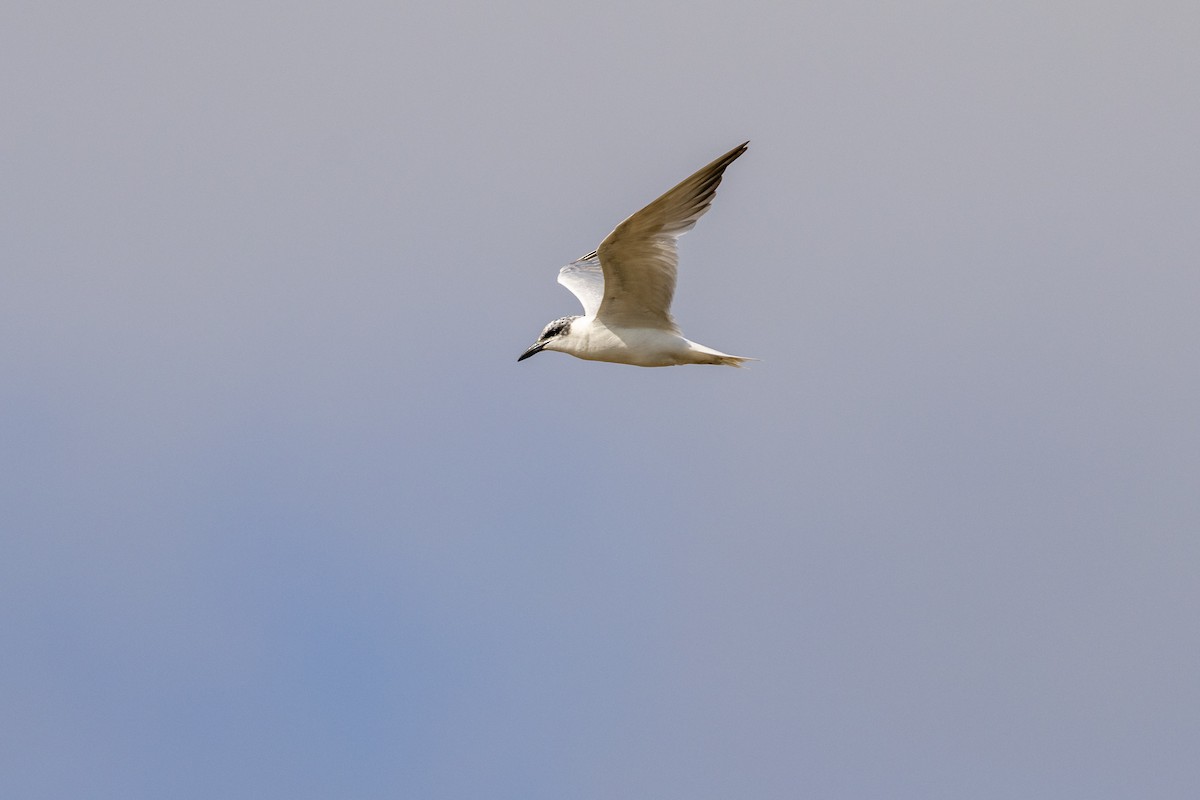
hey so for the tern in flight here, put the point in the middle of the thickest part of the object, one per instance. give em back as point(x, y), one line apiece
point(626, 285)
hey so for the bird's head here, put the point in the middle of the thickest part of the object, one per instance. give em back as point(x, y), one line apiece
point(551, 335)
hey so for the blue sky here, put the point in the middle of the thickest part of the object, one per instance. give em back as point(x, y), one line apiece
point(281, 515)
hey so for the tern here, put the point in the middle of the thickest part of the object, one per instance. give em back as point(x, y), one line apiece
point(626, 285)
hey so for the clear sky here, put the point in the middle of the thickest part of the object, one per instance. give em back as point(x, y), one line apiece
point(282, 517)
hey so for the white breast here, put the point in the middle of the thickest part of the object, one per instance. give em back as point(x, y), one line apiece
point(643, 347)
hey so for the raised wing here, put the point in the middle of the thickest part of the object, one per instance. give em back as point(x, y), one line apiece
point(639, 258)
point(585, 279)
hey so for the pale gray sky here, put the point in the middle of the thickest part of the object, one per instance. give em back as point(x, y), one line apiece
point(281, 515)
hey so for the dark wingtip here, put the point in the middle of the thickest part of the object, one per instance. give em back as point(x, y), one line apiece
point(724, 161)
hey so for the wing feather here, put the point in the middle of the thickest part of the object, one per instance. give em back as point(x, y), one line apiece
point(585, 279)
point(639, 259)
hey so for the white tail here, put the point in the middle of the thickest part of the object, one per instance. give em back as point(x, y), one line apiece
point(706, 355)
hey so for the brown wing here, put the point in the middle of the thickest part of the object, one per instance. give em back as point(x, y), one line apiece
point(639, 257)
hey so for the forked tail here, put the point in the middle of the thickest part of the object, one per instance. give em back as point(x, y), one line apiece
point(732, 361)
point(706, 355)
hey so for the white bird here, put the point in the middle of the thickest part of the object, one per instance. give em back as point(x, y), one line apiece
point(626, 285)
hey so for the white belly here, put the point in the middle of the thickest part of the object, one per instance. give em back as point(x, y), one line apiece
point(642, 347)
